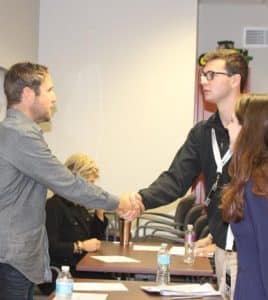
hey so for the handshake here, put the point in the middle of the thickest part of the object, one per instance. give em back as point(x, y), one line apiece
point(130, 206)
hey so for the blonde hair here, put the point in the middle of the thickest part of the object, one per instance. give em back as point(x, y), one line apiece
point(83, 165)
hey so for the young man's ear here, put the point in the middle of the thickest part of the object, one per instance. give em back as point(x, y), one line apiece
point(27, 95)
point(236, 80)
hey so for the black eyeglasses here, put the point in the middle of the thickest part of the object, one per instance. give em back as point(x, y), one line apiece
point(209, 75)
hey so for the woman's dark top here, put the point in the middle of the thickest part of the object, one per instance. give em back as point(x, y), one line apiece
point(67, 223)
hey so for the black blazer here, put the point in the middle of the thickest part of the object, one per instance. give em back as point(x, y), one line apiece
point(66, 223)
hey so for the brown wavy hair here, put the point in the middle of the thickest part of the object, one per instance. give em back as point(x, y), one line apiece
point(250, 155)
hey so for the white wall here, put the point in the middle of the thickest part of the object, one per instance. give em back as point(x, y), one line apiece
point(19, 28)
point(124, 76)
point(225, 21)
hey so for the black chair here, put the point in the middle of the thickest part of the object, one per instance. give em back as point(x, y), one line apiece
point(199, 225)
point(204, 232)
point(160, 226)
point(112, 230)
point(193, 214)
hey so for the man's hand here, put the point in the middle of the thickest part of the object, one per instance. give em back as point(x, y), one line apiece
point(206, 251)
point(130, 206)
point(203, 242)
point(91, 245)
point(205, 247)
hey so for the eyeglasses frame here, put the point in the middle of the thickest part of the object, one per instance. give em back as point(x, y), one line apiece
point(212, 74)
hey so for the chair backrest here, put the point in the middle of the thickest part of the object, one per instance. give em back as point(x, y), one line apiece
point(184, 205)
point(200, 223)
point(204, 232)
point(112, 230)
point(193, 214)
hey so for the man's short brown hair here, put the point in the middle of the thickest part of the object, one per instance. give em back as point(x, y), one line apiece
point(23, 75)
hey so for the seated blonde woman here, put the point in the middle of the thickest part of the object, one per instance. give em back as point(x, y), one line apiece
point(72, 230)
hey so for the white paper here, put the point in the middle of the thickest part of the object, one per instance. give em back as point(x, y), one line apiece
point(177, 250)
point(194, 289)
point(145, 248)
point(116, 258)
point(87, 296)
point(98, 286)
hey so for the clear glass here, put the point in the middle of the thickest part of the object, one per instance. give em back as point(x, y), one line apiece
point(189, 245)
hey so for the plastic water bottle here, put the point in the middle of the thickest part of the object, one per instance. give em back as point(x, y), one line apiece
point(64, 284)
point(163, 265)
point(189, 239)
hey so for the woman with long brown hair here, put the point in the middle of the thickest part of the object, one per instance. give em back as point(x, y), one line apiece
point(245, 198)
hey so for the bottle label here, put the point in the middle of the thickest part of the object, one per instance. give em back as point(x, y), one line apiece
point(64, 288)
point(189, 238)
point(163, 259)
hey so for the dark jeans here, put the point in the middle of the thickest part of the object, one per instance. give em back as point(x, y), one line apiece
point(14, 285)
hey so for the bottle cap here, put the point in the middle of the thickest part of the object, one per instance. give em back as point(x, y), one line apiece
point(190, 226)
point(65, 268)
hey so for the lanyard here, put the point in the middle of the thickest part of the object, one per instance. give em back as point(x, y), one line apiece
point(220, 162)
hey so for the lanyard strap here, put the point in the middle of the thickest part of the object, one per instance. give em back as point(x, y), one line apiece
point(220, 162)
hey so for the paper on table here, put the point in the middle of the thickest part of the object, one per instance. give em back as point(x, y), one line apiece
point(145, 248)
point(116, 258)
point(177, 250)
point(183, 290)
point(98, 286)
point(88, 296)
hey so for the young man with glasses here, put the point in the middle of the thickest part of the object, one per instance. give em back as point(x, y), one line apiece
point(223, 79)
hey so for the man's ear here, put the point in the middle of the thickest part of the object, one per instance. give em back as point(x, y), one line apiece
point(27, 95)
point(236, 80)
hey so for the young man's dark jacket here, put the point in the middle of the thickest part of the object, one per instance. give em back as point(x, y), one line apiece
point(192, 159)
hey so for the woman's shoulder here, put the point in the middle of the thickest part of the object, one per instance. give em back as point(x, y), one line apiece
point(250, 195)
point(56, 201)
